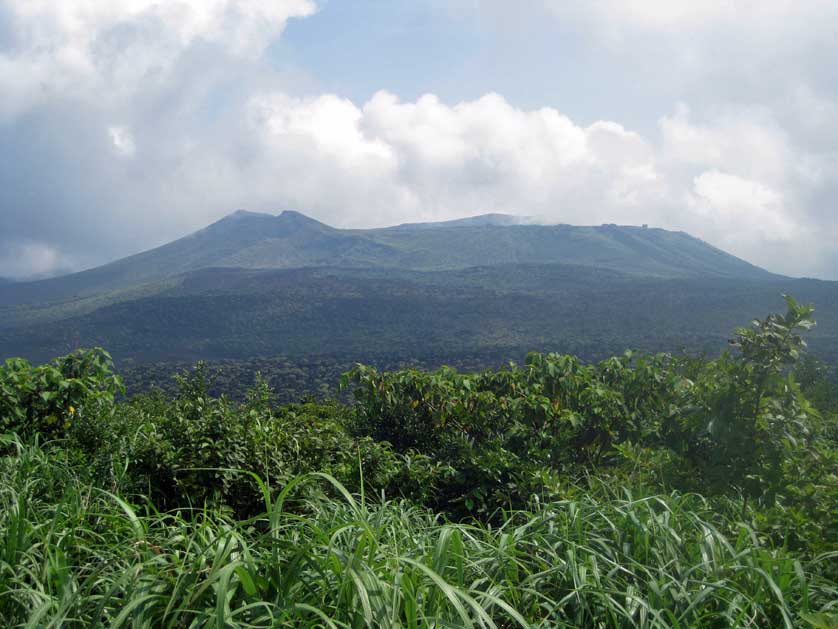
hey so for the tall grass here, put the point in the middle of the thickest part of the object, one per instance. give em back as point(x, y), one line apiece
point(75, 555)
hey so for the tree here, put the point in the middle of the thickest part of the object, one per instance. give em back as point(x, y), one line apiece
point(749, 416)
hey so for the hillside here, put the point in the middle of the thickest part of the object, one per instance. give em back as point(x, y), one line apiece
point(495, 313)
point(292, 240)
point(477, 292)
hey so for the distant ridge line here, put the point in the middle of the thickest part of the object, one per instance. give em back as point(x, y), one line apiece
point(291, 239)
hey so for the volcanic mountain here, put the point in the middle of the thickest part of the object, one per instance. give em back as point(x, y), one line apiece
point(291, 240)
point(476, 291)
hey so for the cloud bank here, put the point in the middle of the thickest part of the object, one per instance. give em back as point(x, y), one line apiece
point(116, 49)
point(734, 180)
point(132, 122)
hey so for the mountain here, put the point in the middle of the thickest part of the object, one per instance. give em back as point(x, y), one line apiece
point(489, 314)
point(242, 239)
point(497, 220)
point(292, 240)
point(475, 293)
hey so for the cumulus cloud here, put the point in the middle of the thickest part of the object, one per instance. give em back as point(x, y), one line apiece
point(387, 160)
point(733, 179)
point(83, 80)
point(112, 49)
point(135, 121)
point(742, 207)
point(32, 260)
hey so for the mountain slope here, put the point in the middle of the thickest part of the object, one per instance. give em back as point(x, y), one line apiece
point(498, 312)
point(256, 286)
point(635, 250)
point(224, 243)
point(291, 240)
point(494, 219)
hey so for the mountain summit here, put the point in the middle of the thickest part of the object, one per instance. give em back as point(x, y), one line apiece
point(489, 287)
point(494, 219)
point(292, 240)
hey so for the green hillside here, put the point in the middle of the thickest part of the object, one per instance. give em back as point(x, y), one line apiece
point(476, 292)
point(495, 313)
point(292, 240)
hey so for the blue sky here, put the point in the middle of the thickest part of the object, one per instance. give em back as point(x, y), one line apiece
point(127, 123)
point(406, 47)
point(413, 48)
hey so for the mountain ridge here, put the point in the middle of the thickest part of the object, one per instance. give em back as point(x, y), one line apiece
point(260, 285)
point(493, 218)
point(253, 240)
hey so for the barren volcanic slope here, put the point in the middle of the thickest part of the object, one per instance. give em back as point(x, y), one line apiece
point(256, 285)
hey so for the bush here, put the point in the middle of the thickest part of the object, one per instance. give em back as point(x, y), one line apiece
point(194, 449)
point(47, 400)
point(559, 492)
point(503, 437)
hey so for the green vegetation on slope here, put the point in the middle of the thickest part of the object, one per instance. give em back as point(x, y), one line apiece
point(640, 491)
point(291, 241)
point(344, 316)
point(475, 293)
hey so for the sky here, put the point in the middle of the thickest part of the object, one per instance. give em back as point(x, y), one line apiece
point(125, 124)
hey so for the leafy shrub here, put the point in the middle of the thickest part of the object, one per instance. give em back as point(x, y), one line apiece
point(47, 400)
point(196, 449)
point(568, 492)
point(503, 437)
point(736, 425)
point(747, 419)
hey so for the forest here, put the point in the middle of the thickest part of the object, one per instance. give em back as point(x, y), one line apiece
point(642, 490)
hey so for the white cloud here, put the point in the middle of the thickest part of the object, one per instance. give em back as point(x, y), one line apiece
point(745, 140)
point(32, 259)
point(71, 28)
point(110, 49)
point(123, 141)
point(751, 186)
point(742, 206)
point(717, 52)
point(744, 215)
point(389, 160)
point(758, 17)
point(136, 79)
point(733, 178)
point(330, 123)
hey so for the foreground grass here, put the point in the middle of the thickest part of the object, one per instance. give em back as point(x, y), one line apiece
point(75, 555)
